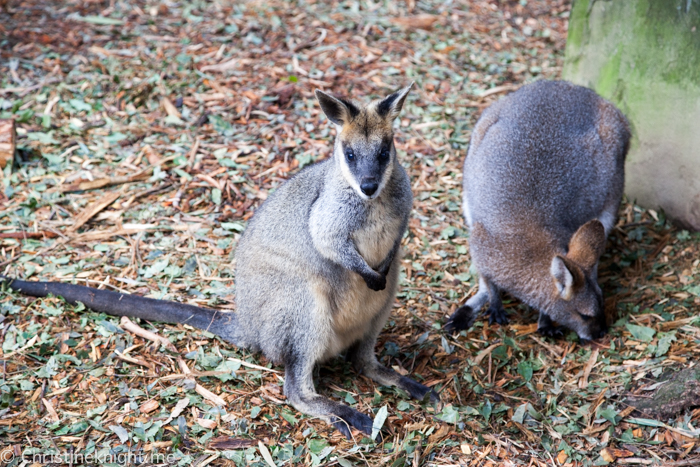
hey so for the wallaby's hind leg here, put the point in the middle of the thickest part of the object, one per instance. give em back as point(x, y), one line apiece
point(495, 311)
point(464, 316)
point(546, 327)
point(365, 361)
point(300, 392)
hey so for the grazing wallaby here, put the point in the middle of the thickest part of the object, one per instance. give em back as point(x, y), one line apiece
point(543, 181)
point(317, 267)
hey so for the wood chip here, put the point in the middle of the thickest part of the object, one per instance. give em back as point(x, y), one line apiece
point(583, 381)
point(53, 415)
point(210, 396)
point(94, 208)
point(170, 108)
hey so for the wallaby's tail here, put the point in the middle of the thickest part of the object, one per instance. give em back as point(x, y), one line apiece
point(223, 324)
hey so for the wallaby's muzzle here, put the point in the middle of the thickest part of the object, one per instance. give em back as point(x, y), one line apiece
point(369, 186)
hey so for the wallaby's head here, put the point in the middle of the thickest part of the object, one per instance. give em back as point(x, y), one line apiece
point(578, 302)
point(364, 147)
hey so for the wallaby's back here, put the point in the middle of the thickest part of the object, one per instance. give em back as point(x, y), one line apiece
point(551, 153)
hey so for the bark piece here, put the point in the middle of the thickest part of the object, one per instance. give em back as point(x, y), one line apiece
point(8, 137)
point(94, 208)
point(680, 392)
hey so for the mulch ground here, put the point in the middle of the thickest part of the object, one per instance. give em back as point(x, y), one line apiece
point(149, 132)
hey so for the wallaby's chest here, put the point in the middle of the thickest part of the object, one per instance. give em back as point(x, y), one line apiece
point(376, 234)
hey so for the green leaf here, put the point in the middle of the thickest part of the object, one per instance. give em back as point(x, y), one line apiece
point(216, 195)
point(173, 120)
point(485, 410)
point(100, 20)
point(25, 385)
point(641, 333)
point(156, 268)
point(289, 417)
point(237, 226)
point(608, 414)
point(664, 344)
point(449, 414)
point(525, 370)
point(316, 446)
point(43, 138)
point(230, 367)
point(120, 432)
point(379, 420)
point(79, 105)
point(646, 422)
point(403, 406)
point(519, 414)
point(220, 125)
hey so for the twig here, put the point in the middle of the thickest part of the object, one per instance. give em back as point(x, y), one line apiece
point(134, 328)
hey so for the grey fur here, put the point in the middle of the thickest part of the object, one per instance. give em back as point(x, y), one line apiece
point(317, 267)
point(545, 164)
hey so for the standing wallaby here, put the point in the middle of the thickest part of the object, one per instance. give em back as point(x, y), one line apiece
point(543, 182)
point(317, 266)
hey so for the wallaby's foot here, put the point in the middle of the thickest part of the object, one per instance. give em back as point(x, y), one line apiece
point(365, 361)
point(300, 392)
point(462, 318)
point(547, 328)
point(345, 417)
point(417, 390)
point(497, 315)
point(552, 331)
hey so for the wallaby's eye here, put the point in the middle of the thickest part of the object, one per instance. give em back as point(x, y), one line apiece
point(384, 154)
point(585, 318)
point(349, 154)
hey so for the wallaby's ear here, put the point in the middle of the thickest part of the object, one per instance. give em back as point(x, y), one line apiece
point(391, 105)
point(338, 111)
point(567, 276)
point(587, 244)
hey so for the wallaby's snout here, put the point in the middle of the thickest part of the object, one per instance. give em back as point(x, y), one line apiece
point(369, 186)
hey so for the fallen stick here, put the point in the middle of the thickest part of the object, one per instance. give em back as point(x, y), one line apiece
point(23, 235)
point(134, 328)
point(94, 208)
point(103, 182)
point(210, 396)
point(136, 361)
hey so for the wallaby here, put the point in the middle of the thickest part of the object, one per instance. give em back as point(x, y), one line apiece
point(317, 266)
point(543, 181)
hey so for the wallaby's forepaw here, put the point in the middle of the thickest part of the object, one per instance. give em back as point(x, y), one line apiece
point(462, 318)
point(551, 330)
point(497, 315)
point(376, 282)
point(354, 419)
point(417, 390)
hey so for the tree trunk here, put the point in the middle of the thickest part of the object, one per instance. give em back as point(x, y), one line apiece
point(644, 55)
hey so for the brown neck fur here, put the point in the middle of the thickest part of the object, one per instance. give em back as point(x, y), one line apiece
point(518, 261)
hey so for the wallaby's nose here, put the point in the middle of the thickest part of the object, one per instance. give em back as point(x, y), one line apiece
point(369, 187)
point(601, 333)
